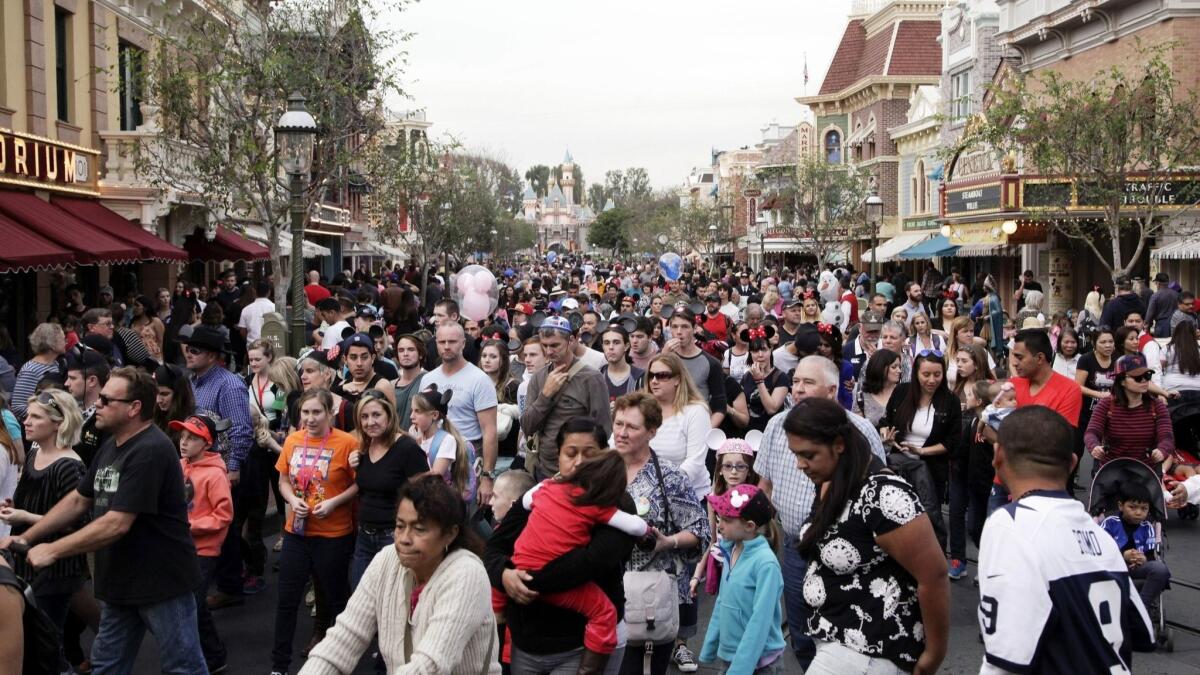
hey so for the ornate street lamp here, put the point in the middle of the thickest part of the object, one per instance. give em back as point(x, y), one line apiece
point(873, 206)
point(295, 134)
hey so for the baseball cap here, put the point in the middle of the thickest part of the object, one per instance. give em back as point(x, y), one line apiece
point(793, 301)
point(557, 323)
point(1131, 364)
point(366, 312)
point(202, 427)
point(743, 501)
point(570, 303)
point(524, 308)
point(358, 340)
point(712, 297)
point(872, 320)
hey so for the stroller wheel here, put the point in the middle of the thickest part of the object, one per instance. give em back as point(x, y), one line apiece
point(1170, 641)
point(1189, 512)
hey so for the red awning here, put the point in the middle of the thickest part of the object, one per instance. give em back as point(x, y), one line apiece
point(226, 246)
point(89, 244)
point(94, 212)
point(24, 251)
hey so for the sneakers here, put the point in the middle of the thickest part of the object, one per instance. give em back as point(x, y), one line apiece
point(957, 569)
point(252, 585)
point(221, 600)
point(219, 668)
point(684, 660)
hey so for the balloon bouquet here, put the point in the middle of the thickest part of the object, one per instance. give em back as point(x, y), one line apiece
point(476, 292)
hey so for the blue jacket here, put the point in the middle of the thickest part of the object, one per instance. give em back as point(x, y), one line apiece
point(1143, 536)
point(746, 619)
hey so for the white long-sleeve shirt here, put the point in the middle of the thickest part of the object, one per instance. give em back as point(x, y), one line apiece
point(1192, 485)
point(681, 441)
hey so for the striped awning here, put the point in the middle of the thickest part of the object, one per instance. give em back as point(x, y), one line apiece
point(889, 249)
point(986, 250)
point(1183, 249)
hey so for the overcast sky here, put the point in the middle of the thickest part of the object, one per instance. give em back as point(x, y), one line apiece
point(651, 83)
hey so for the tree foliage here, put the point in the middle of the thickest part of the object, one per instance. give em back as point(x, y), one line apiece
point(611, 230)
point(539, 178)
point(220, 84)
point(1112, 143)
point(821, 205)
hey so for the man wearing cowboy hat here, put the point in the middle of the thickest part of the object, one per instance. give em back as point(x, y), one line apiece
point(222, 393)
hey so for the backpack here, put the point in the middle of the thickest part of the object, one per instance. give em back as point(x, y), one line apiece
point(43, 645)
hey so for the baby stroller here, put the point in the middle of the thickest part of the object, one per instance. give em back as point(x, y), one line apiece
point(1102, 502)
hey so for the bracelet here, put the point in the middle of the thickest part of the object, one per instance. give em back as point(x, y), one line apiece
point(674, 541)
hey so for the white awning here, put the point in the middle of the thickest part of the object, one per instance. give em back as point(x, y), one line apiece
point(891, 248)
point(1183, 249)
point(388, 251)
point(311, 249)
point(985, 251)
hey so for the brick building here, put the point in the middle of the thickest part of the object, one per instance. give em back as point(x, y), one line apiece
point(888, 49)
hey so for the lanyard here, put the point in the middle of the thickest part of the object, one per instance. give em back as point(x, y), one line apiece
point(304, 471)
point(261, 390)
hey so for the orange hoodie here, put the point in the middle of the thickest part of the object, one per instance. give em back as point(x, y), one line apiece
point(209, 502)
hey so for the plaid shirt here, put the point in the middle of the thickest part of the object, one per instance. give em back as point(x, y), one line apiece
point(224, 394)
point(792, 492)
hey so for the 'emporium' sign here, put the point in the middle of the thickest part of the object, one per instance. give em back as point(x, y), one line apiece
point(34, 161)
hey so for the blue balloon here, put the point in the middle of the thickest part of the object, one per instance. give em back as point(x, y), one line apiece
point(671, 266)
point(551, 257)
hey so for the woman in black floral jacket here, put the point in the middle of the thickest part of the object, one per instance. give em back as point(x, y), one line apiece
point(877, 582)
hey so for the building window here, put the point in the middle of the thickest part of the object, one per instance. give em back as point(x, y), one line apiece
point(62, 69)
point(130, 63)
point(920, 188)
point(833, 147)
point(960, 95)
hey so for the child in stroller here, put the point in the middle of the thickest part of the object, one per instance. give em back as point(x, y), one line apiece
point(1136, 538)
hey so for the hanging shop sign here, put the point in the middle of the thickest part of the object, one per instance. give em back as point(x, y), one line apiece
point(919, 223)
point(1177, 192)
point(37, 162)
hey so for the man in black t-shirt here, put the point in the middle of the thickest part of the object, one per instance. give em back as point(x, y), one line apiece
point(146, 568)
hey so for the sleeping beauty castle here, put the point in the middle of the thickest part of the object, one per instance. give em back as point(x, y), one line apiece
point(562, 225)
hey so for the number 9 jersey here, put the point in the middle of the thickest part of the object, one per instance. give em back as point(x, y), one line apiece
point(1054, 592)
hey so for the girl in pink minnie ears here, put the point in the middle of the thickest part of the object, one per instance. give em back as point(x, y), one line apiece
point(735, 466)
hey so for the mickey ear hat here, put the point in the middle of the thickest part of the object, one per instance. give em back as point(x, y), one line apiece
point(717, 441)
point(743, 501)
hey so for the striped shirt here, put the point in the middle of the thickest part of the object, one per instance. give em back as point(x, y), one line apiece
point(37, 492)
point(27, 380)
point(1130, 432)
point(791, 491)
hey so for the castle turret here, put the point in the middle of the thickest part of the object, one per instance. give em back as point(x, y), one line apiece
point(568, 178)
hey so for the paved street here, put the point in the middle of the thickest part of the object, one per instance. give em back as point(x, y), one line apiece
point(247, 629)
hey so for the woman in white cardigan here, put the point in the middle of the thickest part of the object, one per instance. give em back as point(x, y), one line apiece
point(428, 596)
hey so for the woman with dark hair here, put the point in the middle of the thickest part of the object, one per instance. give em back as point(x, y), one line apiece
point(765, 386)
point(175, 401)
point(923, 423)
point(1125, 339)
point(1131, 423)
point(971, 364)
point(426, 596)
point(1181, 360)
point(947, 312)
point(494, 361)
point(866, 532)
point(829, 345)
point(880, 377)
point(546, 637)
point(1066, 353)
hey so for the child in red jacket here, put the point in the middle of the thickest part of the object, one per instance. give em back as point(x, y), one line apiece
point(210, 511)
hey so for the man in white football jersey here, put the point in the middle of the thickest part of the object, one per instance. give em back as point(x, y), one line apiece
point(1054, 592)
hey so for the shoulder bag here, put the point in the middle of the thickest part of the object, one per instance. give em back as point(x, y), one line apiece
point(652, 596)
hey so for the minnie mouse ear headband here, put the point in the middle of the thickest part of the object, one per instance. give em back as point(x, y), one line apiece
point(717, 441)
point(744, 501)
point(326, 357)
point(439, 400)
point(763, 332)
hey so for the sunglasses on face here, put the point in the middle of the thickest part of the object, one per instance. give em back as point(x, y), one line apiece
point(661, 375)
point(108, 400)
point(194, 351)
point(1144, 377)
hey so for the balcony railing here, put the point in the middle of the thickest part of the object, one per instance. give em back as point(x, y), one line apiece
point(134, 159)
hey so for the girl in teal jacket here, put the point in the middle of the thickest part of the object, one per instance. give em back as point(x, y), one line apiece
point(745, 630)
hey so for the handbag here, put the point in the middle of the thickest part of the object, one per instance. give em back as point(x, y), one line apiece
point(652, 596)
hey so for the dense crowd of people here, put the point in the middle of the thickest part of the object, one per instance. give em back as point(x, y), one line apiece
point(555, 485)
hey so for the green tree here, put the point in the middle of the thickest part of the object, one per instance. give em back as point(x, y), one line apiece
point(1114, 142)
point(821, 205)
point(611, 230)
point(596, 197)
point(539, 177)
point(219, 85)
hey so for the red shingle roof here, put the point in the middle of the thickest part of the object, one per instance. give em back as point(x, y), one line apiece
point(914, 51)
point(917, 51)
point(843, 70)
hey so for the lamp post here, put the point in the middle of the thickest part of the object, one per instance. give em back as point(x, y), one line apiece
point(712, 244)
point(295, 134)
point(874, 212)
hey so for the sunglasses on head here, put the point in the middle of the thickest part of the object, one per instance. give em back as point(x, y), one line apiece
point(47, 399)
point(931, 352)
point(660, 375)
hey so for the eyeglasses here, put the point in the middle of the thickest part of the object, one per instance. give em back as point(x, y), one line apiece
point(660, 375)
point(931, 352)
point(735, 467)
point(106, 400)
point(47, 399)
point(1144, 377)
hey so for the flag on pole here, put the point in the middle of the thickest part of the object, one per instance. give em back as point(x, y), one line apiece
point(806, 69)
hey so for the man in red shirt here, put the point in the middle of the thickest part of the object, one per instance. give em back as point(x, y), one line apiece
point(314, 290)
point(714, 321)
point(1036, 383)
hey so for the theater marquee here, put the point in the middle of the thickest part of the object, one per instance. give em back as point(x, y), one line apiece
point(43, 163)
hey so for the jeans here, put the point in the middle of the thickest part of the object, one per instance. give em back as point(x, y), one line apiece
point(634, 659)
point(798, 610)
point(255, 495)
point(997, 499)
point(967, 511)
point(172, 623)
point(773, 668)
point(365, 547)
point(325, 558)
point(837, 659)
point(1155, 576)
point(210, 642)
point(566, 663)
point(689, 620)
